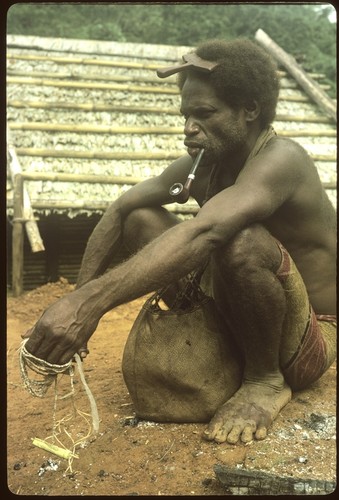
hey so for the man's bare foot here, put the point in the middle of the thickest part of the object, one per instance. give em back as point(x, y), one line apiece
point(248, 414)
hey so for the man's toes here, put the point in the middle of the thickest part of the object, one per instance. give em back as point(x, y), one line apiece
point(247, 433)
point(215, 425)
point(261, 433)
point(221, 435)
point(233, 436)
point(210, 432)
point(209, 436)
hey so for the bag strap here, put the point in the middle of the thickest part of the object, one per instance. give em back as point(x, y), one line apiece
point(191, 294)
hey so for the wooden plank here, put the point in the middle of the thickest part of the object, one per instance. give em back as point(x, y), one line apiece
point(310, 86)
point(256, 482)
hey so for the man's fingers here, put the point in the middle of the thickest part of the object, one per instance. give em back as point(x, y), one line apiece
point(27, 334)
point(83, 352)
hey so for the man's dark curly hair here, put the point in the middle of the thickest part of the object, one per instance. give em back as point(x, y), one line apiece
point(245, 73)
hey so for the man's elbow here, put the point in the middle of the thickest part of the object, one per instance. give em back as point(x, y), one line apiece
point(206, 234)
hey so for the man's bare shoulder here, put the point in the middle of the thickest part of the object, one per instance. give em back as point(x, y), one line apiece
point(282, 165)
point(307, 207)
point(286, 149)
point(285, 160)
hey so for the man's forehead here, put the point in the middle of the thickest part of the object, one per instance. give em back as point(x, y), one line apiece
point(197, 93)
point(197, 86)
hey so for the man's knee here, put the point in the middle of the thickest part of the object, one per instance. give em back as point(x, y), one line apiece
point(143, 225)
point(250, 249)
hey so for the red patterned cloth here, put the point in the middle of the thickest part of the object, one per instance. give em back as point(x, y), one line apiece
point(314, 354)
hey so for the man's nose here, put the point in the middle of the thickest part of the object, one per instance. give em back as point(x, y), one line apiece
point(191, 127)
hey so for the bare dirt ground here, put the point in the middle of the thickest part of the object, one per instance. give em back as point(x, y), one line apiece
point(146, 458)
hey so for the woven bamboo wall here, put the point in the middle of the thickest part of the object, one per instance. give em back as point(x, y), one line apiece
point(97, 108)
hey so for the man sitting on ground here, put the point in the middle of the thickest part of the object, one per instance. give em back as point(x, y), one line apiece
point(265, 226)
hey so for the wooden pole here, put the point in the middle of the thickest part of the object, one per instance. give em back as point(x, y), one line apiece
point(76, 76)
point(87, 178)
point(123, 88)
point(100, 206)
point(86, 60)
point(111, 63)
point(18, 237)
point(101, 179)
point(286, 83)
point(123, 155)
point(98, 154)
point(93, 86)
point(109, 129)
point(311, 87)
point(95, 129)
point(89, 106)
point(27, 212)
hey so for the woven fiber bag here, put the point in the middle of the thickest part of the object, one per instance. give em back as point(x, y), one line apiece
point(178, 363)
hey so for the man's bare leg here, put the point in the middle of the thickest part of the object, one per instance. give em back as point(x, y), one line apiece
point(252, 301)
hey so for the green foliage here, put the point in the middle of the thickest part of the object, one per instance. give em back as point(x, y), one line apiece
point(303, 30)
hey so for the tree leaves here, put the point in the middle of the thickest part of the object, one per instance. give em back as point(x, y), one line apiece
point(303, 30)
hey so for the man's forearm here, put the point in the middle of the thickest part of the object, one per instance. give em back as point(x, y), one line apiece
point(166, 259)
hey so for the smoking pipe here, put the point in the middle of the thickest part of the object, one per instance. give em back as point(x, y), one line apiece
point(182, 192)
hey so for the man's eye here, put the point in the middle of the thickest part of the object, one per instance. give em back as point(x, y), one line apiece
point(204, 113)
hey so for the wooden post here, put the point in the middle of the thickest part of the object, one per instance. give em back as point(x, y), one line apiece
point(32, 229)
point(18, 238)
point(311, 87)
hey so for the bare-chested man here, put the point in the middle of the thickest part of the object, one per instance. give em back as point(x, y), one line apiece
point(262, 205)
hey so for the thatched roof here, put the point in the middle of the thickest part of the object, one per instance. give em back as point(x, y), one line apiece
point(97, 109)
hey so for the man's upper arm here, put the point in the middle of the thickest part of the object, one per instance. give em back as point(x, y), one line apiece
point(263, 186)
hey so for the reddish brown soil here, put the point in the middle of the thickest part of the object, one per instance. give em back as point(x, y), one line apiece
point(149, 458)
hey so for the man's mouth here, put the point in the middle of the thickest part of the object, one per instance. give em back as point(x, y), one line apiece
point(193, 148)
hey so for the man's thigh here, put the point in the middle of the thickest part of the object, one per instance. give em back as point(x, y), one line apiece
point(143, 225)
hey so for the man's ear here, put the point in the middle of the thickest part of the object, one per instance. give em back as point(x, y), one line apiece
point(252, 111)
